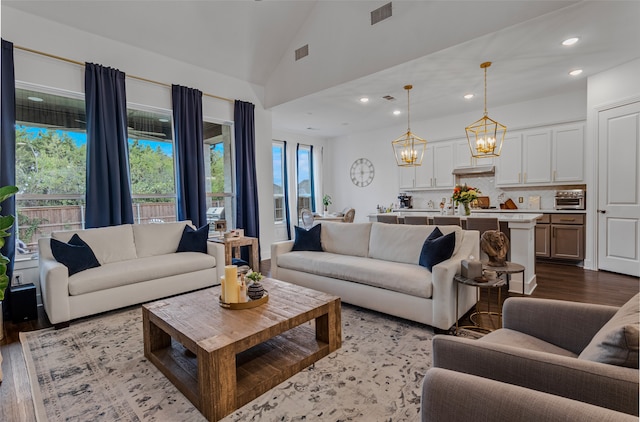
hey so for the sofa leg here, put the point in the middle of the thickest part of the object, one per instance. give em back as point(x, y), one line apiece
point(61, 325)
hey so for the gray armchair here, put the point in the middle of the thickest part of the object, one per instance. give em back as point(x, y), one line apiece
point(450, 396)
point(556, 347)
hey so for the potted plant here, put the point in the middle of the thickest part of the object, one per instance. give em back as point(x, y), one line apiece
point(5, 224)
point(255, 290)
point(326, 201)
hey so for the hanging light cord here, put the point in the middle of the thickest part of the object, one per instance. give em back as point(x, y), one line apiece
point(485, 90)
point(408, 88)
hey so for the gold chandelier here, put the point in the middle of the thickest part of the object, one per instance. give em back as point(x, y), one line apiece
point(485, 136)
point(409, 148)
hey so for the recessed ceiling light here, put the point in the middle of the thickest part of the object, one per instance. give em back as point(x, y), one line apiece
point(396, 112)
point(364, 99)
point(163, 120)
point(468, 96)
point(35, 99)
point(570, 41)
point(575, 72)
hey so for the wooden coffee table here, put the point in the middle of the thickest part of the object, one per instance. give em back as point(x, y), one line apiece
point(239, 354)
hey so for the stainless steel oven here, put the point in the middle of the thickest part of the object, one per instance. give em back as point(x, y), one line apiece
point(570, 199)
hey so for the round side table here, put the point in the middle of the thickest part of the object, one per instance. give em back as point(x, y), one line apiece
point(489, 285)
point(508, 269)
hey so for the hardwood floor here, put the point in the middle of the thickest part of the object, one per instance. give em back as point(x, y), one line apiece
point(555, 281)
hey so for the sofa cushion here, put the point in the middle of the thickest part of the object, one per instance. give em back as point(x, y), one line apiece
point(400, 277)
point(346, 239)
point(76, 255)
point(616, 343)
point(138, 270)
point(157, 239)
point(308, 240)
point(403, 243)
point(437, 248)
point(194, 240)
point(109, 244)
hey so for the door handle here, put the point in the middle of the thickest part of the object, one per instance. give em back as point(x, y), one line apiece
point(602, 211)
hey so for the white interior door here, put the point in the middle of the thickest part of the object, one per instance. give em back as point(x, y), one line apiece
point(619, 189)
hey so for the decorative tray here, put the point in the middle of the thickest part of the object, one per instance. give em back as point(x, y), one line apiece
point(245, 305)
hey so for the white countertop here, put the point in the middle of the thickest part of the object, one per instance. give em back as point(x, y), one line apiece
point(502, 216)
point(432, 211)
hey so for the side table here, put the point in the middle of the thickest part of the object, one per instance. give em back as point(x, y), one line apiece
point(508, 269)
point(489, 285)
point(232, 249)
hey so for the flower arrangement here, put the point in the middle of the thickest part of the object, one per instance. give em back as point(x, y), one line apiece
point(464, 194)
point(254, 276)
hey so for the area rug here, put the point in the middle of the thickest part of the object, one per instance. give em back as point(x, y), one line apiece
point(95, 370)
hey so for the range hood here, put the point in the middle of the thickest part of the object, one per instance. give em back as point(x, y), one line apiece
point(474, 171)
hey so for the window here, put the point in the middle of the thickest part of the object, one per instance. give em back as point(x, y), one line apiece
point(279, 182)
point(305, 178)
point(151, 166)
point(218, 168)
point(51, 144)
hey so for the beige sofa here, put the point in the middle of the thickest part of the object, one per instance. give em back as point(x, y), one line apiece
point(375, 265)
point(138, 263)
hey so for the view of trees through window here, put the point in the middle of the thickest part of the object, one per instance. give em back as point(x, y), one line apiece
point(51, 148)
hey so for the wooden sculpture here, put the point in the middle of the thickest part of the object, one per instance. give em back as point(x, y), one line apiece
point(496, 245)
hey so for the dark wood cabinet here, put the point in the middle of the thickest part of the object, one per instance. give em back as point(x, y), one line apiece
point(560, 236)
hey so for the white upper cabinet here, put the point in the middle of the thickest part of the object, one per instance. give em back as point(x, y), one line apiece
point(568, 154)
point(536, 157)
point(435, 171)
point(462, 156)
point(541, 157)
point(509, 164)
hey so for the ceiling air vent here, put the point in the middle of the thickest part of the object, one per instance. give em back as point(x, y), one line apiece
point(381, 14)
point(302, 52)
point(389, 98)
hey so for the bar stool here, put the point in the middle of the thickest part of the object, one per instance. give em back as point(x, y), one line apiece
point(416, 219)
point(389, 219)
point(482, 224)
point(440, 220)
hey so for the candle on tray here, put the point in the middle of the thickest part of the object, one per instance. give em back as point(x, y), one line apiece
point(243, 290)
point(231, 289)
point(222, 297)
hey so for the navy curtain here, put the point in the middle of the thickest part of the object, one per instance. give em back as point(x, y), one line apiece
point(247, 216)
point(285, 187)
point(189, 141)
point(8, 153)
point(108, 181)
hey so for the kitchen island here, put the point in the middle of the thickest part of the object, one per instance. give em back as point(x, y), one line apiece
point(521, 236)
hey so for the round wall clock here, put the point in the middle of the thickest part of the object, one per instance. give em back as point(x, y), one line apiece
point(362, 172)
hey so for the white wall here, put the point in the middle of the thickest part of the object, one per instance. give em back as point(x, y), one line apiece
point(610, 88)
point(29, 31)
point(376, 146)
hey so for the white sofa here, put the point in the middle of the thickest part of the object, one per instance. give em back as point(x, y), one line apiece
point(138, 263)
point(375, 265)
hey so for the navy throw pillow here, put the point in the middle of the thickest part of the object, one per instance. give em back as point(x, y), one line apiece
point(76, 255)
point(308, 240)
point(194, 240)
point(437, 248)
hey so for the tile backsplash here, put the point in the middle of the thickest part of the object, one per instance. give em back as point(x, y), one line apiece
point(486, 185)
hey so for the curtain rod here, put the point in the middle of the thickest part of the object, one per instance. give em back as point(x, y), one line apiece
point(64, 59)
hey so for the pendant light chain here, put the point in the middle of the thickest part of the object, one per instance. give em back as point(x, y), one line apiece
point(485, 91)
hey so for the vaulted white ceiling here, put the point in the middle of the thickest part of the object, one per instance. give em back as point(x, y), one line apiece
point(435, 45)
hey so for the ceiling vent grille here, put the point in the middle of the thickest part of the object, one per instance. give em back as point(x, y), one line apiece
point(381, 14)
point(389, 98)
point(302, 52)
